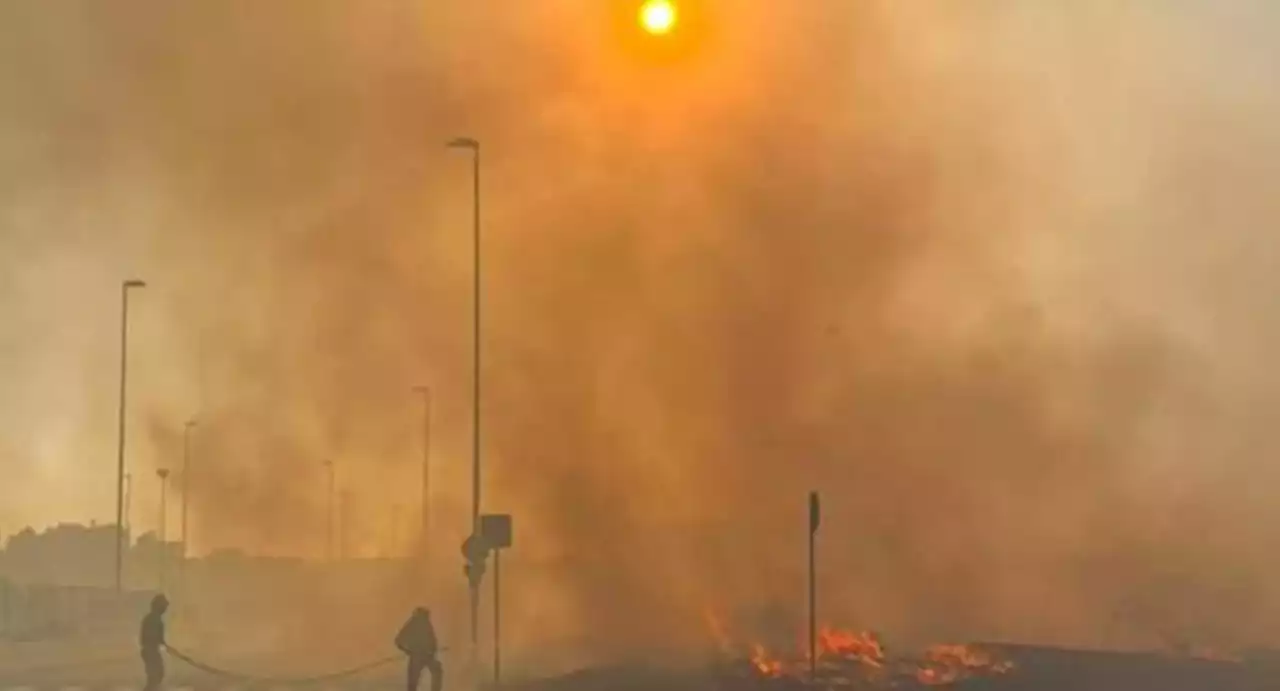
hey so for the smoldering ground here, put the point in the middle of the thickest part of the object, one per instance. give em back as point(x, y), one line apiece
point(989, 276)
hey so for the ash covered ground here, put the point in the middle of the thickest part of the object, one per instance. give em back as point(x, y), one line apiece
point(990, 666)
point(845, 660)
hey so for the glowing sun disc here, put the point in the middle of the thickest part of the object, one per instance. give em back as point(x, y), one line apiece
point(658, 16)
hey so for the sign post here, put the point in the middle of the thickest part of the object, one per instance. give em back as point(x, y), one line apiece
point(495, 530)
point(497, 619)
point(815, 518)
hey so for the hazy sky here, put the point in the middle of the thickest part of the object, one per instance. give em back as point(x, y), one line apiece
point(996, 276)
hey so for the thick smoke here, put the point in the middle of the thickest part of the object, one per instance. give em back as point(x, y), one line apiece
point(993, 278)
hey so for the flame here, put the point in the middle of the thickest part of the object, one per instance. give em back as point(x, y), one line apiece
point(852, 658)
point(764, 664)
point(947, 664)
point(862, 647)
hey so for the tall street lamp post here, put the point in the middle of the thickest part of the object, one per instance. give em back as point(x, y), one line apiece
point(473, 145)
point(162, 532)
point(128, 501)
point(125, 287)
point(187, 429)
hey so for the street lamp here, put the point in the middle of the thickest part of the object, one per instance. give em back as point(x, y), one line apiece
point(125, 287)
point(329, 535)
point(424, 540)
point(187, 429)
point(162, 533)
point(472, 145)
point(128, 500)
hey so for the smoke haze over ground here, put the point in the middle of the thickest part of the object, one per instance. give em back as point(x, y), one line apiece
point(994, 276)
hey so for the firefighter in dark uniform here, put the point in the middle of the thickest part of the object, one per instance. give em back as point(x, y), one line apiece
point(417, 640)
point(151, 639)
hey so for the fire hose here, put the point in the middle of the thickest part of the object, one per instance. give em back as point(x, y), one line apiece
point(238, 676)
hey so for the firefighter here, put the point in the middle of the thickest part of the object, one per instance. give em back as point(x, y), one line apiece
point(417, 640)
point(151, 640)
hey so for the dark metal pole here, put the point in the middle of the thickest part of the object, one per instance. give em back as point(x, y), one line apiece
point(474, 146)
point(124, 367)
point(120, 436)
point(162, 532)
point(475, 390)
point(186, 493)
point(475, 379)
point(128, 500)
point(497, 618)
point(815, 518)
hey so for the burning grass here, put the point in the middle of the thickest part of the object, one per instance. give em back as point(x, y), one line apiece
point(853, 659)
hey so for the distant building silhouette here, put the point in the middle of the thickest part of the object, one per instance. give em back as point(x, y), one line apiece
point(60, 582)
point(66, 554)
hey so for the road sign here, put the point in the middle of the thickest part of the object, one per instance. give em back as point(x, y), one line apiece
point(495, 528)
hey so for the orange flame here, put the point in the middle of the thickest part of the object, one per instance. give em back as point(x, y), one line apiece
point(849, 656)
point(947, 664)
point(765, 665)
point(862, 647)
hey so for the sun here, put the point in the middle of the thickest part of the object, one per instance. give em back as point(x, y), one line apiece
point(658, 16)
